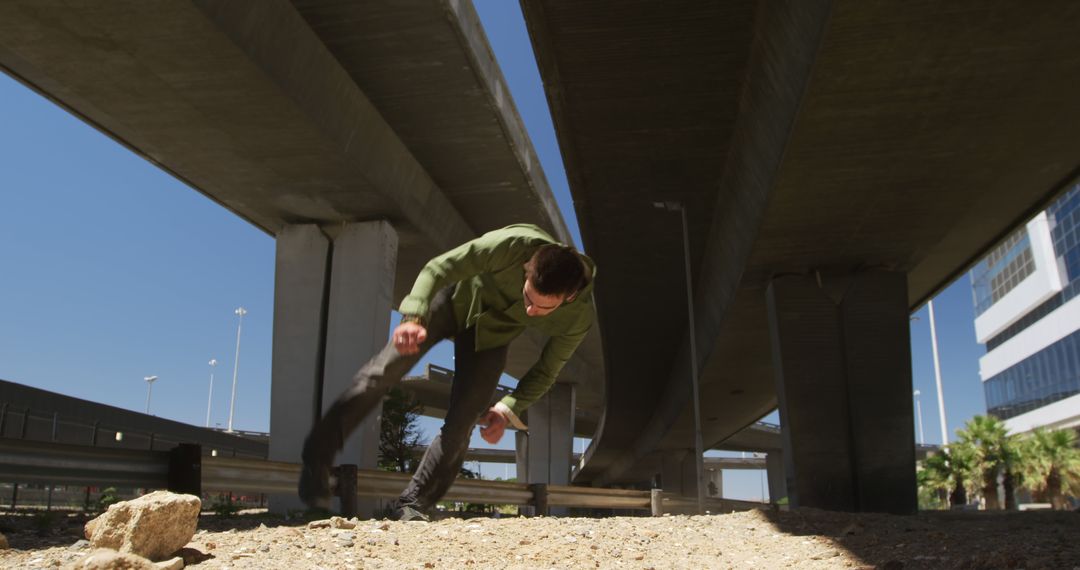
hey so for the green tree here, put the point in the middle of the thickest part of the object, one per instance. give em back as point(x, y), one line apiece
point(1053, 465)
point(399, 432)
point(945, 477)
point(993, 451)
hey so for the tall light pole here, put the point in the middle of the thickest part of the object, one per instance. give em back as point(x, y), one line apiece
point(149, 388)
point(240, 312)
point(210, 398)
point(937, 376)
point(918, 409)
point(699, 452)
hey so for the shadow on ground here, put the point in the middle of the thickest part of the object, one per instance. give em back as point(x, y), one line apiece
point(941, 539)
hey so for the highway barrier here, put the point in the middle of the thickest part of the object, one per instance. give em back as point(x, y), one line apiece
point(185, 469)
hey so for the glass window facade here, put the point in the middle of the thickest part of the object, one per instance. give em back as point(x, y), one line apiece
point(1053, 373)
point(1064, 217)
point(1043, 378)
point(1002, 270)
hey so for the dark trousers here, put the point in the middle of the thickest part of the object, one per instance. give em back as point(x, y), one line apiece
point(476, 376)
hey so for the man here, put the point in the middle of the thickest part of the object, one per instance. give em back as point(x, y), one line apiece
point(483, 294)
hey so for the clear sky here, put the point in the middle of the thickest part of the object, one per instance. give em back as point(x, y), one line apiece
point(111, 271)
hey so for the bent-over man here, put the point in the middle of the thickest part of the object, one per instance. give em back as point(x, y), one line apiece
point(483, 294)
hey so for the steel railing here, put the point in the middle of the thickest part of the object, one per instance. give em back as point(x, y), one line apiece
point(185, 470)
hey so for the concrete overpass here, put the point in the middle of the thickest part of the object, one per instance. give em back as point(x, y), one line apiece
point(840, 162)
point(365, 137)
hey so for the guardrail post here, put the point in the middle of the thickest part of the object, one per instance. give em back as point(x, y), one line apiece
point(185, 469)
point(656, 502)
point(346, 489)
point(540, 498)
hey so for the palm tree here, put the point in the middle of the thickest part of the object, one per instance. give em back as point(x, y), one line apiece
point(948, 473)
point(1054, 465)
point(993, 450)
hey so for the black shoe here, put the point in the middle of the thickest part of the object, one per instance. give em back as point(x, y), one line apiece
point(314, 488)
point(408, 513)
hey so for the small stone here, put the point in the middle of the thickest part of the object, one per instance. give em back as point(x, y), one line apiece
point(339, 522)
point(325, 523)
point(106, 559)
point(193, 556)
point(176, 563)
point(80, 544)
point(264, 548)
point(343, 535)
point(853, 528)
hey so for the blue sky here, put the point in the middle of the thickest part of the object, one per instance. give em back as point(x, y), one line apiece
point(111, 270)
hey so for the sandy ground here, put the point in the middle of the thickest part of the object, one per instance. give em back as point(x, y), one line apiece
point(756, 539)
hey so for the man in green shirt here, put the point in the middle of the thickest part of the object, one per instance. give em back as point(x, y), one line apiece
point(483, 294)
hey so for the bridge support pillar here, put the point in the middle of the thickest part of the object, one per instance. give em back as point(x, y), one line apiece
point(774, 472)
point(842, 359)
point(714, 483)
point(549, 448)
point(678, 475)
point(332, 303)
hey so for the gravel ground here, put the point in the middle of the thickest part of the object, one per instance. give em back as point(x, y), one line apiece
point(804, 538)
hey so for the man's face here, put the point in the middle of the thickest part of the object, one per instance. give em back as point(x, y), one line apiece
point(537, 304)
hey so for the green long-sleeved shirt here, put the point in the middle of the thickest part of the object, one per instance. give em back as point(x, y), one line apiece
point(490, 274)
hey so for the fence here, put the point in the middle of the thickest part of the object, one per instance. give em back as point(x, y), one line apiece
point(185, 469)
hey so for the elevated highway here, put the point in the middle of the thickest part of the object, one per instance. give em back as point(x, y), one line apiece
point(839, 163)
point(365, 137)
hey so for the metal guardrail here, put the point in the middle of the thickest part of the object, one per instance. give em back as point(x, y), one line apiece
point(185, 470)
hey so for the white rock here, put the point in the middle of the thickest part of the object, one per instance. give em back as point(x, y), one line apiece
point(153, 526)
point(339, 522)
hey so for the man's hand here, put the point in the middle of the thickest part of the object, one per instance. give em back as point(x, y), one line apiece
point(494, 426)
point(408, 336)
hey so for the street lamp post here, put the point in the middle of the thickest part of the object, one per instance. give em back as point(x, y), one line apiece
point(210, 398)
point(918, 409)
point(699, 452)
point(937, 377)
point(240, 312)
point(149, 389)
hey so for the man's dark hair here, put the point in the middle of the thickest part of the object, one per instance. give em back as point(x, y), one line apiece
point(557, 270)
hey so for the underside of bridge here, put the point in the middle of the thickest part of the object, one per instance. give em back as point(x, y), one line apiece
point(308, 112)
point(820, 141)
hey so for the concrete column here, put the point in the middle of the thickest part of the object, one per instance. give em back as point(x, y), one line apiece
point(714, 483)
point(521, 461)
point(302, 266)
point(671, 472)
point(877, 332)
point(841, 356)
point(774, 472)
point(678, 476)
point(550, 448)
point(358, 326)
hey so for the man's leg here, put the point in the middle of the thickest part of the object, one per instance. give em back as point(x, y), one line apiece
point(370, 384)
point(475, 378)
